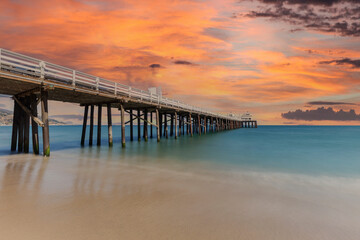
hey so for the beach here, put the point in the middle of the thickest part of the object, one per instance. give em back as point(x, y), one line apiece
point(85, 197)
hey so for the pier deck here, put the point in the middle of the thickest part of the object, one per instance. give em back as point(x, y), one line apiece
point(32, 81)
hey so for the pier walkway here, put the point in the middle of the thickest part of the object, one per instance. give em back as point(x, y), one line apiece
point(32, 81)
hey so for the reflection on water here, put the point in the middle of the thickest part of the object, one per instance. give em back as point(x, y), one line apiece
point(92, 194)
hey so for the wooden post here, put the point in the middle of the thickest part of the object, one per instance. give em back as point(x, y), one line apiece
point(15, 126)
point(34, 125)
point(146, 125)
point(166, 126)
point(151, 126)
point(45, 120)
point(160, 123)
point(171, 125)
point(139, 125)
point(199, 123)
point(176, 128)
point(123, 125)
point(110, 134)
point(190, 124)
point(180, 125)
point(86, 110)
point(157, 125)
point(131, 125)
point(99, 125)
point(255, 124)
point(183, 125)
point(91, 125)
point(205, 123)
point(21, 129)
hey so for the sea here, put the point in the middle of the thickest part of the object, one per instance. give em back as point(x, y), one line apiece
point(270, 182)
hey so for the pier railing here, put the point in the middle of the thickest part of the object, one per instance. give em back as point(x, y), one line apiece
point(29, 66)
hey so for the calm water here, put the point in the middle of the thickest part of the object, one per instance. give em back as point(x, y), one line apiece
point(310, 150)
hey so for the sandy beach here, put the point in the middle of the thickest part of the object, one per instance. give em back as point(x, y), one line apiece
point(91, 198)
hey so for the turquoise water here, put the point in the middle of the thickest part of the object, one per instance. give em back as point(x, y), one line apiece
point(312, 150)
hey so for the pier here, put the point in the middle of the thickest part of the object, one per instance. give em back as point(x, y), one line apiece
point(32, 82)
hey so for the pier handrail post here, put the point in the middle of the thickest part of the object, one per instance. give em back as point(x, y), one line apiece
point(42, 69)
point(73, 78)
point(97, 83)
point(115, 89)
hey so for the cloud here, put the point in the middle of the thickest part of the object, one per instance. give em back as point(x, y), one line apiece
point(329, 103)
point(324, 16)
point(355, 63)
point(181, 62)
point(321, 114)
point(155, 65)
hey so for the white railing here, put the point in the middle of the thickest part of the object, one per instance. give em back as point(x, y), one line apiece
point(21, 64)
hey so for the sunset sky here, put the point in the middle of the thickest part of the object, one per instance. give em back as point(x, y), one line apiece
point(267, 57)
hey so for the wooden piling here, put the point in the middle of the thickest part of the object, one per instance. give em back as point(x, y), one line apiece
point(176, 128)
point(86, 110)
point(123, 125)
point(15, 126)
point(191, 125)
point(26, 126)
point(21, 129)
point(91, 125)
point(99, 125)
point(109, 116)
point(146, 125)
point(199, 123)
point(180, 125)
point(171, 125)
point(151, 126)
point(166, 126)
point(160, 123)
point(45, 120)
point(139, 125)
point(131, 125)
point(205, 123)
point(34, 125)
point(157, 125)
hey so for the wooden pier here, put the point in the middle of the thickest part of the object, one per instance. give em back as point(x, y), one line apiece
point(32, 82)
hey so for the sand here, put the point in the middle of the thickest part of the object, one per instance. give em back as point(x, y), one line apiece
point(82, 197)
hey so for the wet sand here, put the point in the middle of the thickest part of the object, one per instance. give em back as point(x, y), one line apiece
point(82, 197)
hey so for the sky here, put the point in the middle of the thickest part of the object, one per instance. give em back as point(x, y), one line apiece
point(286, 62)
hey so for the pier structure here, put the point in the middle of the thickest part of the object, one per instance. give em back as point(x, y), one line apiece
point(32, 82)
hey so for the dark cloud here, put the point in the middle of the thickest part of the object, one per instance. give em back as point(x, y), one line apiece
point(321, 15)
point(355, 63)
point(181, 62)
point(155, 65)
point(329, 103)
point(321, 114)
point(309, 2)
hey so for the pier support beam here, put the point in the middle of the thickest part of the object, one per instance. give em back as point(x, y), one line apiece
point(110, 134)
point(157, 125)
point(166, 134)
point(176, 128)
point(131, 125)
point(146, 125)
point(139, 125)
point(122, 113)
point(15, 126)
point(34, 125)
point(151, 126)
point(171, 125)
point(99, 125)
point(86, 110)
point(199, 125)
point(26, 126)
point(45, 120)
point(91, 125)
point(191, 125)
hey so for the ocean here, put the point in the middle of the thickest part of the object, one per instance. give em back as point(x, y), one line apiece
point(272, 182)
